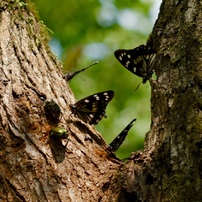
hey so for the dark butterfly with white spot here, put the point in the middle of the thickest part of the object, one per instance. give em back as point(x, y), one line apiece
point(91, 109)
point(140, 61)
point(69, 76)
point(116, 143)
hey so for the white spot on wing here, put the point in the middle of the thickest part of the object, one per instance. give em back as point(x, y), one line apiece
point(96, 97)
point(134, 69)
point(128, 62)
point(91, 115)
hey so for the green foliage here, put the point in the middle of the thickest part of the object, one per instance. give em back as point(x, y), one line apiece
point(77, 25)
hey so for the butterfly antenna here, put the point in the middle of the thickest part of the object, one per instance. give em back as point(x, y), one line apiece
point(138, 86)
point(71, 75)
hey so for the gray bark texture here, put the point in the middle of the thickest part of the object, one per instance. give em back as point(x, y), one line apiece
point(35, 167)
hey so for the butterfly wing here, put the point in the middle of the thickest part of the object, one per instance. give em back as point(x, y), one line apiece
point(69, 76)
point(116, 143)
point(140, 61)
point(91, 109)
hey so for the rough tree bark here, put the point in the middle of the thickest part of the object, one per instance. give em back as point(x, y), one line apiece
point(173, 172)
point(34, 168)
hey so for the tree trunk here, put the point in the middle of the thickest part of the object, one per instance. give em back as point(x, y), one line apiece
point(33, 166)
point(36, 167)
point(171, 164)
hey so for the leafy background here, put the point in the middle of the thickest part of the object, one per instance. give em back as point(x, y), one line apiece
point(87, 31)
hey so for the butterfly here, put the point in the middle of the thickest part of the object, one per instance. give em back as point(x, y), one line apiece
point(91, 109)
point(116, 143)
point(140, 61)
point(69, 76)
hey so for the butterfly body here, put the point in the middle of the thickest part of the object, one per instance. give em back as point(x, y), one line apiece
point(116, 143)
point(91, 109)
point(140, 61)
